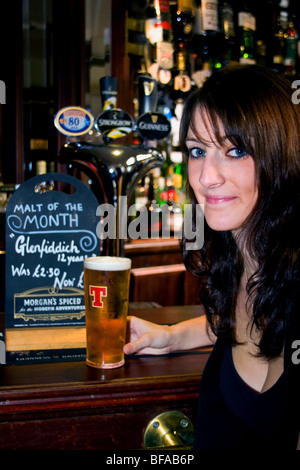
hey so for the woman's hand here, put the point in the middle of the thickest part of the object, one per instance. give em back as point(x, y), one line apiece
point(149, 338)
point(146, 337)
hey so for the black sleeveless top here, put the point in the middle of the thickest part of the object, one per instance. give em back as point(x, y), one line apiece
point(232, 416)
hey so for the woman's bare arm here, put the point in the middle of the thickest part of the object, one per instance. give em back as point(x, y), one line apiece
point(149, 338)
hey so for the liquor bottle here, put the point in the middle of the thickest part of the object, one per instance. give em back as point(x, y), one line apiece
point(154, 34)
point(158, 21)
point(182, 81)
point(209, 39)
point(278, 46)
point(261, 52)
point(165, 48)
point(159, 33)
point(158, 184)
point(176, 153)
point(45, 185)
point(174, 221)
point(164, 14)
point(41, 167)
point(168, 168)
point(247, 28)
point(210, 20)
point(291, 39)
point(37, 151)
point(160, 191)
point(182, 21)
point(211, 33)
point(228, 29)
point(283, 12)
point(153, 211)
point(179, 173)
point(141, 194)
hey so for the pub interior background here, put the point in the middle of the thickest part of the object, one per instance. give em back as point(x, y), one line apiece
point(55, 55)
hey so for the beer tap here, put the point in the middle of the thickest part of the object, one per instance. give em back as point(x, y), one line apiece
point(114, 169)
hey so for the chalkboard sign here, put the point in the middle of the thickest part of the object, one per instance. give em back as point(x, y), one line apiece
point(49, 232)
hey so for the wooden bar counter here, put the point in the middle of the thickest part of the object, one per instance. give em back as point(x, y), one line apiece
point(70, 406)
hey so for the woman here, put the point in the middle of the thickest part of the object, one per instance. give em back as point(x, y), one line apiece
point(241, 135)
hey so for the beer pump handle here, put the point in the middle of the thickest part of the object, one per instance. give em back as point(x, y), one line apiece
point(147, 93)
point(108, 92)
point(150, 125)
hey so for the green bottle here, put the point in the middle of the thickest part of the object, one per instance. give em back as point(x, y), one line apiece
point(247, 28)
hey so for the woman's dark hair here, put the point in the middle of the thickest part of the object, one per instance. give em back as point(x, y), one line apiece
point(253, 106)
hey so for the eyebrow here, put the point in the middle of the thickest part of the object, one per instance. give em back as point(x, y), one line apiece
point(200, 141)
point(194, 138)
point(219, 142)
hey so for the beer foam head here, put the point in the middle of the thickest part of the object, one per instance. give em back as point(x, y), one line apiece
point(107, 263)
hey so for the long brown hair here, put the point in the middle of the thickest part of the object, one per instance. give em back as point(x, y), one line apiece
point(254, 107)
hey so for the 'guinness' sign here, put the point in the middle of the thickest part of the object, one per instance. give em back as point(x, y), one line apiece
point(153, 126)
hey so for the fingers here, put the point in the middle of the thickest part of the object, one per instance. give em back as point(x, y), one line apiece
point(145, 337)
point(137, 339)
point(136, 346)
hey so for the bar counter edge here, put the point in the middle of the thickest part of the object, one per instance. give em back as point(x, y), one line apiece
point(70, 406)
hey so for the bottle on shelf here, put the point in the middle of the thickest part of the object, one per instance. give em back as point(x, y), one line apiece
point(153, 211)
point(182, 81)
point(160, 191)
point(183, 20)
point(141, 194)
point(247, 29)
point(138, 207)
point(291, 40)
point(37, 151)
point(179, 175)
point(172, 223)
point(183, 23)
point(159, 34)
point(41, 167)
point(261, 52)
point(208, 40)
point(228, 30)
point(278, 46)
point(43, 186)
point(153, 33)
point(167, 169)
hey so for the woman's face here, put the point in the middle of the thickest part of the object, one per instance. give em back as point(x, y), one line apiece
point(223, 178)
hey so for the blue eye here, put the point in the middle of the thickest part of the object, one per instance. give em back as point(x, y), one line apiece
point(196, 152)
point(236, 152)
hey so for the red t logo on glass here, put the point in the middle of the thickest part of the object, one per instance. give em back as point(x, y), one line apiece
point(98, 292)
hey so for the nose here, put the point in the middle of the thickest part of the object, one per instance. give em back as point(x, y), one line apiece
point(211, 174)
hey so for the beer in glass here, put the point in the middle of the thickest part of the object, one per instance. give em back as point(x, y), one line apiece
point(106, 290)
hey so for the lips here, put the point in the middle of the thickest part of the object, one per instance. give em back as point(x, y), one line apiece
point(213, 200)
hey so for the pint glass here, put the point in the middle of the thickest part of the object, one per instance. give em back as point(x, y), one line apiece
point(106, 290)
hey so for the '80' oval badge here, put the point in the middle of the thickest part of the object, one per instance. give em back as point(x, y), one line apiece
point(73, 120)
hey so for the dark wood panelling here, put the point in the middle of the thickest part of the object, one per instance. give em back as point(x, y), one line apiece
point(71, 406)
